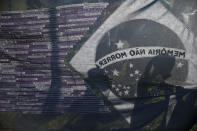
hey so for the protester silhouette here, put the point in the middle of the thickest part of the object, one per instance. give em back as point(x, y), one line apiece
point(159, 105)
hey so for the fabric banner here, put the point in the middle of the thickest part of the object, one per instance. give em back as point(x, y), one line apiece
point(146, 58)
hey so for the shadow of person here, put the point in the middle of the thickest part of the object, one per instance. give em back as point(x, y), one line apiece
point(159, 103)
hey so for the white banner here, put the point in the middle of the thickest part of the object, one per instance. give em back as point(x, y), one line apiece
point(139, 52)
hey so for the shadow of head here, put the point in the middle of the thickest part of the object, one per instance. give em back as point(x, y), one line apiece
point(159, 68)
point(98, 76)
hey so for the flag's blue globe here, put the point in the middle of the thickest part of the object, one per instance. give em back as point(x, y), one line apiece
point(126, 51)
